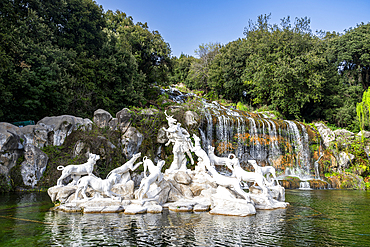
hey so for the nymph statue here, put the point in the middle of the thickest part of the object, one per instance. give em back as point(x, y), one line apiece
point(182, 144)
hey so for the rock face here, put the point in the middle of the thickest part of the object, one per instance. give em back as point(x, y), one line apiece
point(225, 203)
point(62, 126)
point(131, 141)
point(36, 135)
point(343, 135)
point(34, 165)
point(344, 160)
point(102, 118)
point(327, 134)
point(123, 119)
point(11, 147)
point(191, 118)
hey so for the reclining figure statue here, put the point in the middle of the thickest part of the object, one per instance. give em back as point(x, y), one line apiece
point(76, 171)
point(98, 185)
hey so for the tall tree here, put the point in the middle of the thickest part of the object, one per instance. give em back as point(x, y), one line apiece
point(351, 53)
point(285, 66)
point(198, 74)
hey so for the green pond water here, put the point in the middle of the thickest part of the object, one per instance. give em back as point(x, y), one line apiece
point(314, 218)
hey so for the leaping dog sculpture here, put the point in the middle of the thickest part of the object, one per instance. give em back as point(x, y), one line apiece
point(76, 171)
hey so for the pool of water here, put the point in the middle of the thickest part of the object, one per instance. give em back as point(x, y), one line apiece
point(314, 218)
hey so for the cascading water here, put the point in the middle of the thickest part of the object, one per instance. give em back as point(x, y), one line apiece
point(281, 143)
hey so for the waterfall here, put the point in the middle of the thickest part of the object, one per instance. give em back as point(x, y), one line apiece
point(304, 186)
point(281, 143)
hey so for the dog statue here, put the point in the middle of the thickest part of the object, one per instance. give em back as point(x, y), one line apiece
point(76, 171)
point(98, 185)
point(220, 161)
point(155, 175)
point(245, 176)
point(124, 170)
point(264, 170)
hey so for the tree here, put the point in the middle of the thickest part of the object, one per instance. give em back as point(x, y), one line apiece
point(198, 73)
point(351, 54)
point(226, 71)
point(181, 68)
point(285, 68)
point(34, 80)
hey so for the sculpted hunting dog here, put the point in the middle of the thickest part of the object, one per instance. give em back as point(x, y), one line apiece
point(76, 171)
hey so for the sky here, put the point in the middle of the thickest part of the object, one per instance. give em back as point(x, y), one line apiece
point(186, 24)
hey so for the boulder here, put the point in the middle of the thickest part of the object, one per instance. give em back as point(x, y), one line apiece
point(191, 118)
point(343, 135)
point(113, 124)
point(327, 134)
point(8, 160)
point(131, 141)
point(34, 165)
point(62, 126)
point(154, 209)
point(9, 137)
point(61, 194)
point(149, 111)
point(182, 177)
point(182, 206)
point(135, 209)
point(225, 203)
point(162, 137)
point(78, 148)
point(365, 133)
point(102, 118)
point(126, 190)
point(37, 135)
point(123, 119)
point(344, 160)
point(201, 208)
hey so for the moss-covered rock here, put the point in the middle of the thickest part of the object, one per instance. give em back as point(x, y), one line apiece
point(345, 180)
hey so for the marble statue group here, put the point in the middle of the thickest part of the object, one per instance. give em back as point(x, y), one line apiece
point(178, 188)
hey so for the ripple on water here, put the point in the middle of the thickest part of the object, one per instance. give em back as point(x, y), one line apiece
point(315, 218)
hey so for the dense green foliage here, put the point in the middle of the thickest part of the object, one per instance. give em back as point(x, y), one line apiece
point(69, 57)
point(287, 68)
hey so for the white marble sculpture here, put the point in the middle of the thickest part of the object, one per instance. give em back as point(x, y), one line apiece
point(220, 161)
point(155, 174)
point(124, 170)
point(245, 176)
point(203, 158)
point(98, 185)
point(233, 182)
point(182, 144)
point(265, 171)
point(76, 171)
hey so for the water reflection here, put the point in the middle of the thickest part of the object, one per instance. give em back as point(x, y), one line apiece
point(169, 228)
point(315, 218)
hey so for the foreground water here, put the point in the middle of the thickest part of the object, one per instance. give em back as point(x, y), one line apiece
point(314, 218)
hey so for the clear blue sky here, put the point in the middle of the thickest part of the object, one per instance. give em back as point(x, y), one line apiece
point(188, 23)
